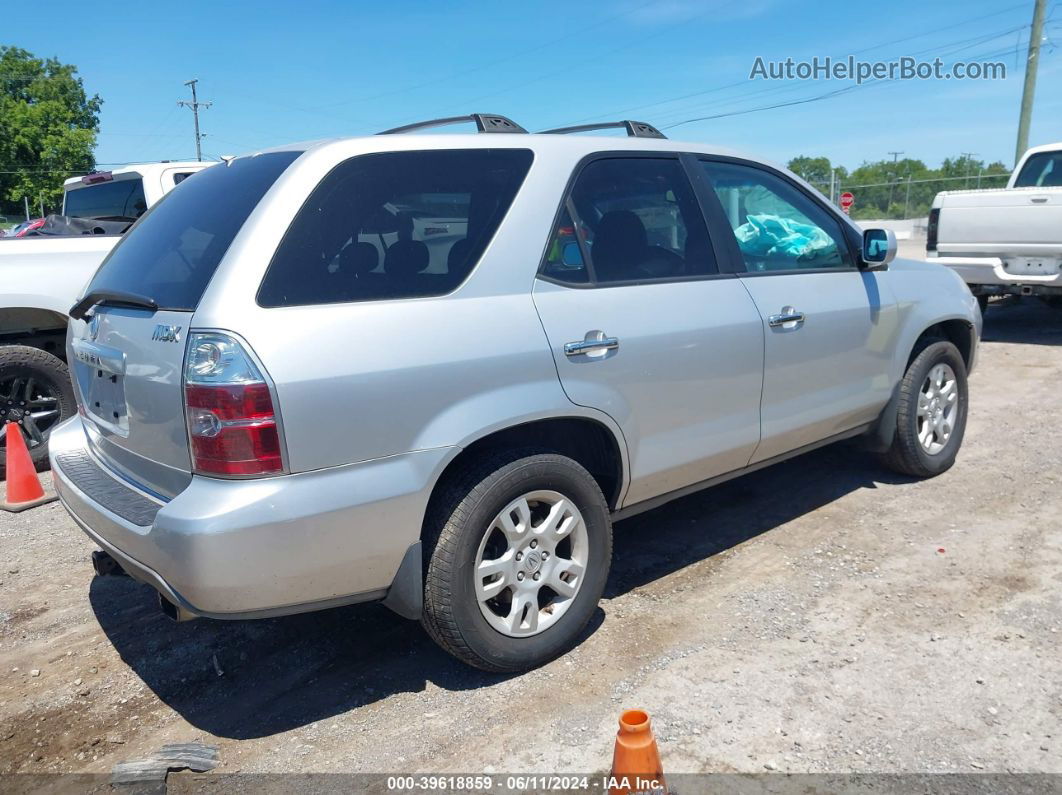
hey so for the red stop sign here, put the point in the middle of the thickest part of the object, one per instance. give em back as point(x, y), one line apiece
point(847, 200)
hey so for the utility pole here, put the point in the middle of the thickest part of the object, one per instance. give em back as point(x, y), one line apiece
point(907, 200)
point(195, 105)
point(969, 161)
point(1031, 64)
point(892, 179)
point(833, 183)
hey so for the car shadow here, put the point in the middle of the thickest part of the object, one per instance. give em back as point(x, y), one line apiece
point(1028, 321)
point(247, 679)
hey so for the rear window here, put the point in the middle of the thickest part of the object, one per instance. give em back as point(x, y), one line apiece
point(120, 200)
point(1042, 170)
point(394, 225)
point(171, 253)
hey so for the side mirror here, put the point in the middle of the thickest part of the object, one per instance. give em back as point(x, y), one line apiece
point(879, 248)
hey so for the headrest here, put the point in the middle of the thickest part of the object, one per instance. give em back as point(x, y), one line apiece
point(406, 257)
point(620, 244)
point(359, 258)
point(458, 255)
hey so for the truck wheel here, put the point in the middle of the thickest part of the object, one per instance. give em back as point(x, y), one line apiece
point(522, 549)
point(36, 393)
point(931, 412)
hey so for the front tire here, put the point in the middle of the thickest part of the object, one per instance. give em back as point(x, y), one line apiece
point(931, 412)
point(36, 393)
point(522, 550)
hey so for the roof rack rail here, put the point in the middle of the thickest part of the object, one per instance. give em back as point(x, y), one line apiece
point(485, 123)
point(635, 129)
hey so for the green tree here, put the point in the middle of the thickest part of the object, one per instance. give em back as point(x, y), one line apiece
point(48, 127)
point(815, 170)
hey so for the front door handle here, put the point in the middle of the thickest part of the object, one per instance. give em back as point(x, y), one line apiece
point(787, 315)
point(593, 342)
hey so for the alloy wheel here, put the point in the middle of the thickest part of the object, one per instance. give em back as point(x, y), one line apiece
point(531, 563)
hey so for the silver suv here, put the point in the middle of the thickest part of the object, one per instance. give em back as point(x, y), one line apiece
point(432, 369)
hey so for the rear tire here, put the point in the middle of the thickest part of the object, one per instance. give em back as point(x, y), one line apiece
point(538, 519)
point(931, 412)
point(35, 382)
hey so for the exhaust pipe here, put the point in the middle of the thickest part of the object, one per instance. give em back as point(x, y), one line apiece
point(106, 566)
point(174, 612)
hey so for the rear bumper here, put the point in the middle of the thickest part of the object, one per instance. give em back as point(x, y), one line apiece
point(253, 548)
point(988, 276)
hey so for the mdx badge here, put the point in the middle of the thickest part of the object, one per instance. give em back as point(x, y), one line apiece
point(164, 333)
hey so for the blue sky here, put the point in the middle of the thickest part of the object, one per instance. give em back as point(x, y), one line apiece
point(281, 72)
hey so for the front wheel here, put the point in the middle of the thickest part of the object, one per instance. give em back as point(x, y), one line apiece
point(522, 550)
point(931, 412)
point(36, 394)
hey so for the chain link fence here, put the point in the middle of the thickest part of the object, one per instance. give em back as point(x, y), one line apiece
point(903, 198)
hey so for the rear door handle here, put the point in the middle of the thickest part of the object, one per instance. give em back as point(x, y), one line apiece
point(594, 341)
point(1038, 199)
point(787, 315)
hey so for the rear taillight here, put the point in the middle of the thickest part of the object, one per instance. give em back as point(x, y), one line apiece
point(931, 229)
point(232, 423)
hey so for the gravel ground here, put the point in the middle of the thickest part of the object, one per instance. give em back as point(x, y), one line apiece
point(822, 615)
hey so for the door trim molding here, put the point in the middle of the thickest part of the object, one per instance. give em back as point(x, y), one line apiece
point(655, 502)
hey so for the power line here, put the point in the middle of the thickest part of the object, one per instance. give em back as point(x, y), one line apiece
point(804, 100)
point(577, 32)
point(978, 39)
point(567, 70)
point(677, 113)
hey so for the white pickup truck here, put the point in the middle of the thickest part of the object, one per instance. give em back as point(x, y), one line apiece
point(1005, 241)
point(40, 279)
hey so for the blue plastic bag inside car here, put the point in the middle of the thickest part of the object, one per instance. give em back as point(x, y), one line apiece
point(767, 235)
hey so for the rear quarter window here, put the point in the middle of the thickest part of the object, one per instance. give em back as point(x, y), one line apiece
point(394, 225)
point(172, 252)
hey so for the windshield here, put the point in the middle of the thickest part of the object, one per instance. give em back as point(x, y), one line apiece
point(170, 254)
point(1042, 170)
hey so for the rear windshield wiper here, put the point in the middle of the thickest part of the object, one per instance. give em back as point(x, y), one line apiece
point(112, 298)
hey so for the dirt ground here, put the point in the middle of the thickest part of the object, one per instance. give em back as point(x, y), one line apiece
point(822, 615)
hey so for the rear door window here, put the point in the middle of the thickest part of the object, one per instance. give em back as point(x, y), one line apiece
point(120, 200)
point(639, 221)
point(394, 225)
point(171, 253)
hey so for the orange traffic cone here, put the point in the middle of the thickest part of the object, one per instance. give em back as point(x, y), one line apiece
point(24, 488)
point(636, 762)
